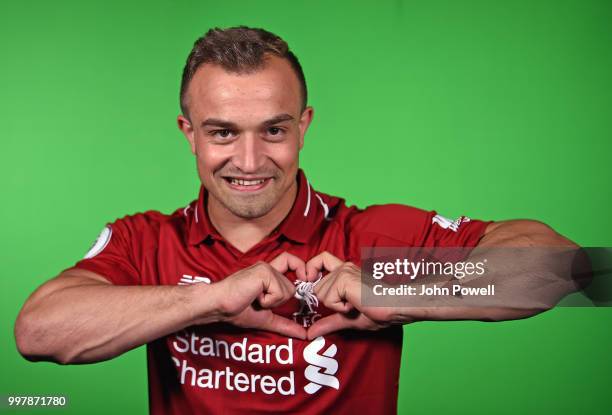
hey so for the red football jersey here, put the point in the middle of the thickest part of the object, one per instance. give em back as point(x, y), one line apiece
point(220, 368)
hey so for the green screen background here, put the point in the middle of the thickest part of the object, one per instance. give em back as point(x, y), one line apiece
point(497, 110)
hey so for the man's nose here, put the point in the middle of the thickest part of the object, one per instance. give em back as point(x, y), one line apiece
point(250, 153)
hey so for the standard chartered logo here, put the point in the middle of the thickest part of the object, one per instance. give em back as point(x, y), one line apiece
point(322, 367)
point(208, 363)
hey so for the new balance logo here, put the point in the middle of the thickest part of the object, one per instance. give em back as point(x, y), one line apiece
point(322, 367)
point(188, 279)
point(446, 223)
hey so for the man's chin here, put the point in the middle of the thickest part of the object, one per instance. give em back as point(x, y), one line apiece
point(249, 206)
point(249, 211)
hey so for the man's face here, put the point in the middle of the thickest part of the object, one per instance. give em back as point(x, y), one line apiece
point(246, 132)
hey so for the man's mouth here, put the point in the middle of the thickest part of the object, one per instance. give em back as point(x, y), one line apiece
point(247, 185)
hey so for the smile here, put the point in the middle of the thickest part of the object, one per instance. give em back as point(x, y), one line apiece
point(245, 185)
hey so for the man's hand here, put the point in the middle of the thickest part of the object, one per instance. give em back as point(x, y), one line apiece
point(245, 297)
point(340, 290)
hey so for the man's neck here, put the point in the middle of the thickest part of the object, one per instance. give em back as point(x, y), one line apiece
point(246, 233)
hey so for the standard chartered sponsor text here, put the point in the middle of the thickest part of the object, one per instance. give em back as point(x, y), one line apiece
point(191, 344)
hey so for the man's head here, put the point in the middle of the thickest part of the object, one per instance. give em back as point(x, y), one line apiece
point(243, 98)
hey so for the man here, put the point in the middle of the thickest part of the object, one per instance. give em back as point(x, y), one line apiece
point(211, 289)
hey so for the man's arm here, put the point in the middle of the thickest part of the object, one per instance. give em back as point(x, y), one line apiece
point(523, 233)
point(514, 234)
point(80, 317)
point(340, 290)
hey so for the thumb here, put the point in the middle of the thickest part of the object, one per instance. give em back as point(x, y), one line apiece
point(329, 324)
point(281, 325)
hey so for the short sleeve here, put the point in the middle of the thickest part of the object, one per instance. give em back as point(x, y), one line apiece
point(112, 254)
point(395, 225)
point(439, 231)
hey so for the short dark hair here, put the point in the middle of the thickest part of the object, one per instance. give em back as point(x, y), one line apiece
point(239, 49)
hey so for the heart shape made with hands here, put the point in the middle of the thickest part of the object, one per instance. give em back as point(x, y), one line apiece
point(339, 290)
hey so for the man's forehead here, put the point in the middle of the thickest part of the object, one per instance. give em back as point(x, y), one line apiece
point(272, 88)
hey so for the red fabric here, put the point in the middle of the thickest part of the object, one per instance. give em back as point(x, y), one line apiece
point(155, 249)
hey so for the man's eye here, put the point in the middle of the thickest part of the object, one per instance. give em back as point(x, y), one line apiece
point(274, 131)
point(221, 133)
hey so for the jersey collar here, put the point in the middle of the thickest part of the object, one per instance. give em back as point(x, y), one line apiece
point(305, 217)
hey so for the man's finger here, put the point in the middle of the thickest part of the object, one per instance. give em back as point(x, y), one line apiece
point(281, 325)
point(275, 295)
point(328, 295)
point(271, 299)
point(323, 261)
point(339, 306)
point(275, 291)
point(286, 261)
point(338, 289)
point(335, 322)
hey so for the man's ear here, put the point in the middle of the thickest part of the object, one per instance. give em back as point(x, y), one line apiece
point(305, 120)
point(185, 126)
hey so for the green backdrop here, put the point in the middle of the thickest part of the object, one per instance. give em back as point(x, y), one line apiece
point(497, 110)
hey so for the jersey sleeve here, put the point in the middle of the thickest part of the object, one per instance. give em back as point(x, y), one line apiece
point(114, 254)
point(396, 225)
point(439, 231)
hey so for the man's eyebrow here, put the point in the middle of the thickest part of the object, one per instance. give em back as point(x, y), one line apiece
point(216, 122)
point(277, 119)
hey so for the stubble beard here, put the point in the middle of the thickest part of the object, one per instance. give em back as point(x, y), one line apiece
point(247, 206)
point(250, 207)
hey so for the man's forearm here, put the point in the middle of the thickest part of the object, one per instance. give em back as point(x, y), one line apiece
point(104, 320)
point(531, 270)
point(523, 233)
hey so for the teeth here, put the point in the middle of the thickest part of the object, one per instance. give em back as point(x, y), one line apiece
point(240, 182)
